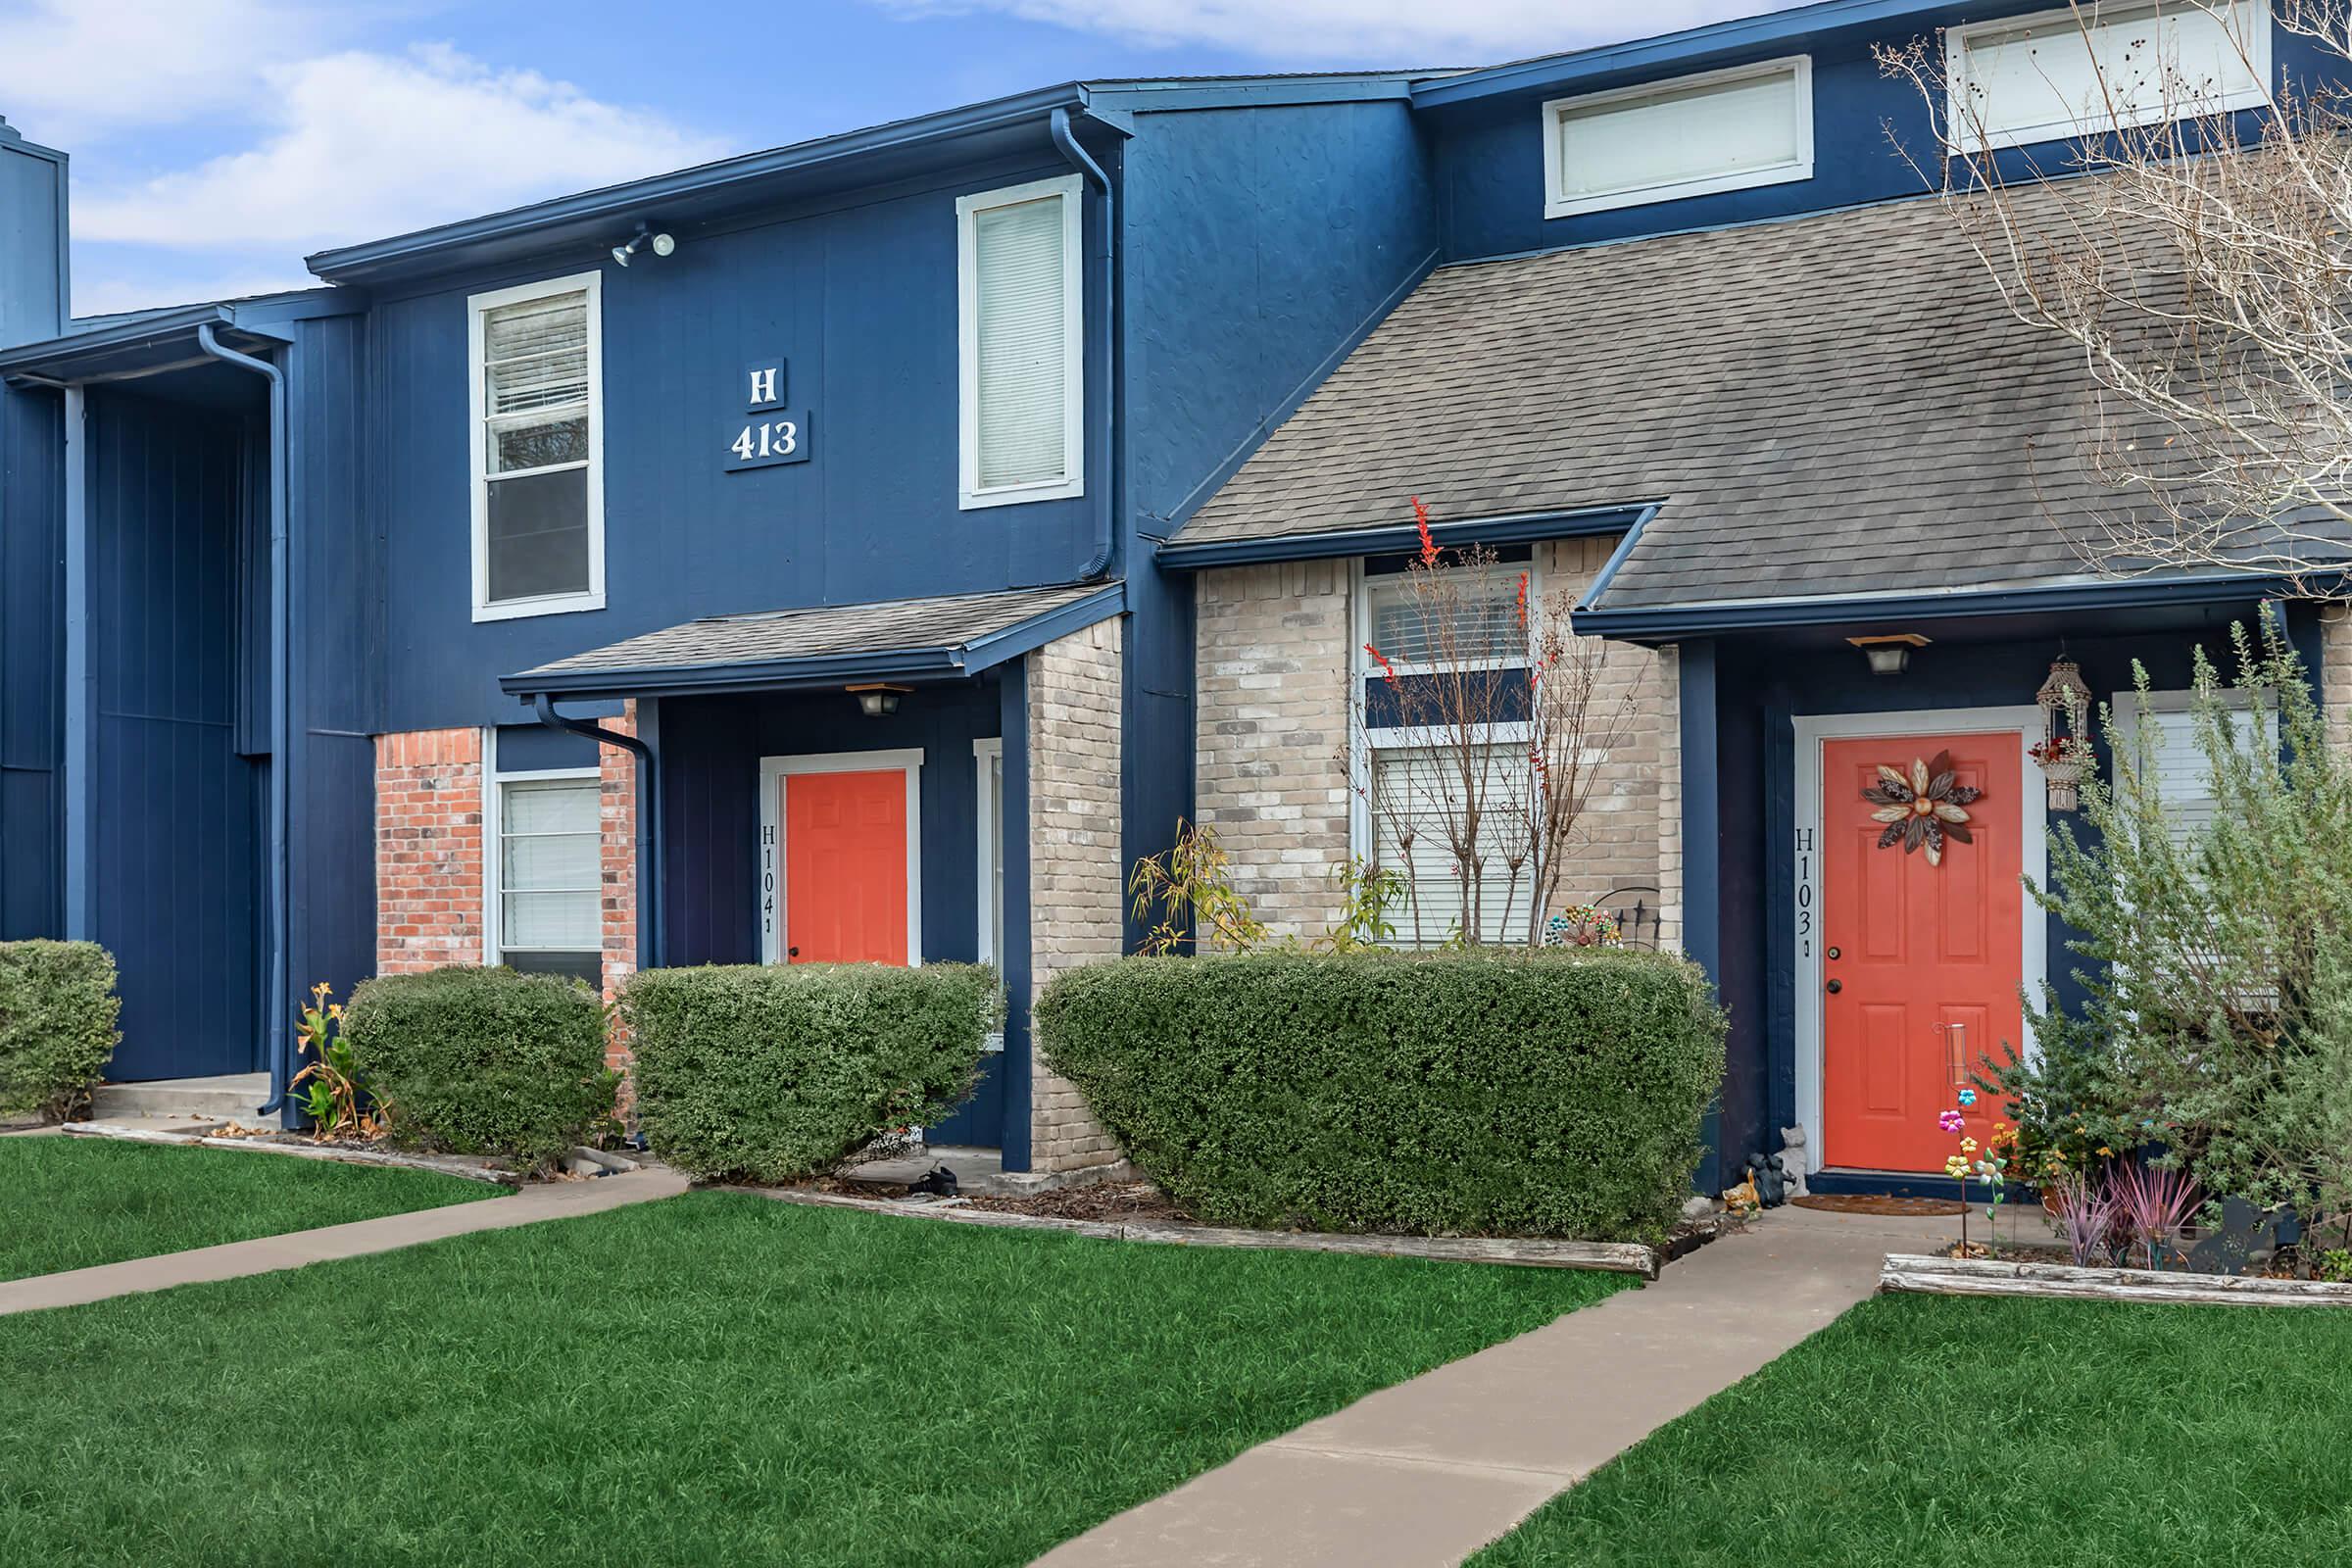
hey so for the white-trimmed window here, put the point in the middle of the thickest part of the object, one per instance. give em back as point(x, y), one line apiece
point(2056, 75)
point(537, 434)
point(1020, 312)
point(1413, 795)
point(1692, 136)
point(2160, 734)
point(546, 832)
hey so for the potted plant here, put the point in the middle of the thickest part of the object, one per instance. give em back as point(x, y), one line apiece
point(2062, 760)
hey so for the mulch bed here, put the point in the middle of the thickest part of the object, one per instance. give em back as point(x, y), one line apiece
point(1100, 1201)
point(1879, 1203)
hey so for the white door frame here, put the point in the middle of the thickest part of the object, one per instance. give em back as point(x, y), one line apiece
point(771, 860)
point(1812, 730)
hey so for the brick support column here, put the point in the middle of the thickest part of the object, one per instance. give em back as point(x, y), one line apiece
point(428, 849)
point(2335, 672)
point(1076, 884)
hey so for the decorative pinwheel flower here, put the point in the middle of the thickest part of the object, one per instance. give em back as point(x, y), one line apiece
point(1922, 809)
point(1949, 1121)
point(1968, 1097)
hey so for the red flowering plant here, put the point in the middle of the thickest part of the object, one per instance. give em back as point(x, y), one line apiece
point(1481, 728)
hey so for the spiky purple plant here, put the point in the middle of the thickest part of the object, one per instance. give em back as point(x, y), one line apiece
point(2156, 1200)
point(2087, 1211)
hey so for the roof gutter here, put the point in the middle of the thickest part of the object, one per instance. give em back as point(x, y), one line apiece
point(280, 1002)
point(1659, 624)
point(1524, 527)
point(1102, 345)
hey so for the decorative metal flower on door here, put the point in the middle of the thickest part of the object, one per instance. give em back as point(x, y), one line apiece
point(1924, 808)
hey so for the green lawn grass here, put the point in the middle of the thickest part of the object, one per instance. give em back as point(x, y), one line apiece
point(712, 1379)
point(1933, 1430)
point(70, 1202)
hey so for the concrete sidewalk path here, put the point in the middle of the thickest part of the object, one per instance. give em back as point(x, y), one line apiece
point(268, 1255)
point(1427, 1472)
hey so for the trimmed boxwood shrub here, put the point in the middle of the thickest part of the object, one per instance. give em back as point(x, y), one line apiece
point(58, 1010)
point(484, 1062)
point(1544, 1094)
point(772, 1072)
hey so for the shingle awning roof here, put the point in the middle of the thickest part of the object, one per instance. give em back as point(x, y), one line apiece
point(945, 637)
point(1833, 407)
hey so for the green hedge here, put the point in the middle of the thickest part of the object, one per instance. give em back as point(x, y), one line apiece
point(776, 1072)
point(1551, 1094)
point(484, 1062)
point(56, 1024)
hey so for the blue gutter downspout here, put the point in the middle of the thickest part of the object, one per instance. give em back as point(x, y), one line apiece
point(282, 714)
point(1102, 344)
point(650, 899)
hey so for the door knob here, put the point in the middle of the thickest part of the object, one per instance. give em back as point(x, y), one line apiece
point(792, 953)
point(1834, 986)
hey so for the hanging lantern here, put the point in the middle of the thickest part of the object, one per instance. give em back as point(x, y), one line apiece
point(2064, 754)
point(2063, 693)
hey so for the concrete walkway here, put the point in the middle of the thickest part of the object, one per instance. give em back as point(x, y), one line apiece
point(268, 1255)
point(1430, 1471)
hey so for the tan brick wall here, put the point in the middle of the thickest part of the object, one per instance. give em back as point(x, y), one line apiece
point(1077, 906)
point(428, 849)
point(1271, 663)
point(616, 793)
point(1275, 657)
point(2335, 672)
point(1669, 799)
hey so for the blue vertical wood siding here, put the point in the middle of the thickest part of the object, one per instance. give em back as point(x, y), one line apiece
point(31, 662)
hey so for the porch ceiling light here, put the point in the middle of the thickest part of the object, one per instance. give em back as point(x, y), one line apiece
point(877, 699)
point(1890, 653)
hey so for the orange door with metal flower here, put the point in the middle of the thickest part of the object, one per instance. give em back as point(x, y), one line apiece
point(1922, 925)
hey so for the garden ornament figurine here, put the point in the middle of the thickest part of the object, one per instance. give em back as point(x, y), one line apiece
point(1765, 1172)
point(937, 1182)
point(2246, 1237)
point(1793, 1161)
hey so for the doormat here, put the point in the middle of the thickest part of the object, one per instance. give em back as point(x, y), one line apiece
point(1879, 1204)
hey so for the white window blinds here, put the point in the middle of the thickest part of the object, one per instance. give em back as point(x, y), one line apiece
point(2161, 734)
point(2057, 74)
point(1687, 137)
point(1412, 621)
point(1420, 804)
point(535, 396)
point(1021, 343)
point(550, 850)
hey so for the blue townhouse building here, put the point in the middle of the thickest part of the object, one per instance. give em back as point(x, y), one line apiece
point(867, 549)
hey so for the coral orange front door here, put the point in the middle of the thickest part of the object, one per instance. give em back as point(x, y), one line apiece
point(845, 868)
point(1921, 962)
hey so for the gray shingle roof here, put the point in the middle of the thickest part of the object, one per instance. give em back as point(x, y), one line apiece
point(1833, 404)
point(951, 621)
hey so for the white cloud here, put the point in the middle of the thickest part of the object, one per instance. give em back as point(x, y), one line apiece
point(75, 69)
point(1401, 32)
point(357, 145)
point(108, 292)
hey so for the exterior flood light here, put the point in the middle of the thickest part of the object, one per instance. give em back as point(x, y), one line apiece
point(876, 701)
point(645, 238)
point(1889, 655)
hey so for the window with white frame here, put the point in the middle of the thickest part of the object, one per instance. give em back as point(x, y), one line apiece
point(2158, 733)
point(2061, 75)
point(1416, 789)
point(1021, 344)
point(537, 439)
point(547, 901)
point(1692, 136)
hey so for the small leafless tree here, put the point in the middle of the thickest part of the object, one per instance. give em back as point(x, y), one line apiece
point(2204, 270)
point(1507, 717)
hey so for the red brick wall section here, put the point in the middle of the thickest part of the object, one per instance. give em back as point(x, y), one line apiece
point(430, 854)
point(428, 849)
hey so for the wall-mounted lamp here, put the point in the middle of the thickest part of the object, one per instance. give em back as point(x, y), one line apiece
point(1890, 655)
point(877, 701)
point(645, 238)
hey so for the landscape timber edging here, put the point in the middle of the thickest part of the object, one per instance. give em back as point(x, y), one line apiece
point(1616, 1257)
point(1971, 1276)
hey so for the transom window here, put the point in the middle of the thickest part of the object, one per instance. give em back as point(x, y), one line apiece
point(1690, 136)
point(538, 504)
point(1021, 315)
point(548, 905)
point(2061, 76)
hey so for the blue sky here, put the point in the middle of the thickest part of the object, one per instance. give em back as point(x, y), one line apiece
point(217, 141)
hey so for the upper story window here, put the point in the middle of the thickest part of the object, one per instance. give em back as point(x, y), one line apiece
point(1018, 278)
point(538, 437)
point(1723, 130)
point(2058, 76)
point(2159, 733)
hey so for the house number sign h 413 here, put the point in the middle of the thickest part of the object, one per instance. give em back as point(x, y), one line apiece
point(768, 433)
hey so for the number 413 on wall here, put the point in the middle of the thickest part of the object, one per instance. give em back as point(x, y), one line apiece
point(765, 441)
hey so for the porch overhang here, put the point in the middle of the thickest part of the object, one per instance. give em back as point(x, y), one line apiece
point(1524, 528)
point(1655, 624)
point(153, 343)
point(946, 637)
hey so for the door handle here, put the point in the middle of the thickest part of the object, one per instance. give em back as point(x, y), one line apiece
point(1834, 986)
point(792, 953)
